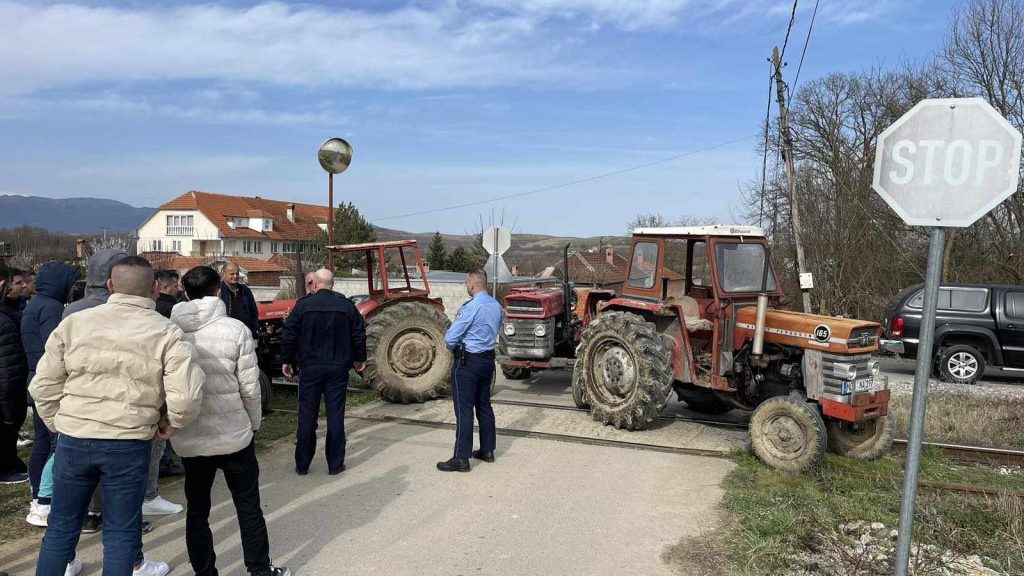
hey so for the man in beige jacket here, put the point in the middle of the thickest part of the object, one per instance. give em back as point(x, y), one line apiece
point(111, 378)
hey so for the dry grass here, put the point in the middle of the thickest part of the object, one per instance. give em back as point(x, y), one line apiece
point(971, 419)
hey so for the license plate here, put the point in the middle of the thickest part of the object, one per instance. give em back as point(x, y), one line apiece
point(864, 385)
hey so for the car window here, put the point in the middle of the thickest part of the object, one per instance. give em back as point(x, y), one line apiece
point(700, 272)
point(644, 265)
point(1015, 305)
point(917, 300)
point(968, 300)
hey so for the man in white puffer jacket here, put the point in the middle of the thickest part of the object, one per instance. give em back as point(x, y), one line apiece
point(221, 437)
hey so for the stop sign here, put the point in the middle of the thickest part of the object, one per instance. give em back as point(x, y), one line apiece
point(947, 162)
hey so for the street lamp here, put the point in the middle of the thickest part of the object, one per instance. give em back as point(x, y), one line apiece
point(335, 155)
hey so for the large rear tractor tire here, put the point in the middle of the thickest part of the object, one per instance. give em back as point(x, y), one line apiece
point(703, 401)
point(625, 370)
point(868, 440)
point(406, 360)
point(788, 433)
point(265, 391)
point(578, 396)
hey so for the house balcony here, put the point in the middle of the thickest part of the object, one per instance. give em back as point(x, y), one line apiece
point(180, 230)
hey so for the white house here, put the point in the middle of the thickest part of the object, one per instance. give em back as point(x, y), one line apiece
point(201, 224)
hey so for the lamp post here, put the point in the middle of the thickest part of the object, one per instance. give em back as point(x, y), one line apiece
point(335, 155)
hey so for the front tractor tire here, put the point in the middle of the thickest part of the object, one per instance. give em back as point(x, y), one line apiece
point(788, 434)
point(868, 440)
point(406, 359)
point(624, 369)
point(515, 372)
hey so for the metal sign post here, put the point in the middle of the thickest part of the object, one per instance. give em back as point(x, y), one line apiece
point(945, 163)
point(496, 241)
point(335, 156)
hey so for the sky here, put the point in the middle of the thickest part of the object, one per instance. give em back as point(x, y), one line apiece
point(445, 103)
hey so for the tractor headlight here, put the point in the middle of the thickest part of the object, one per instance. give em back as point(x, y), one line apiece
point(510, 329)
point(874, 368)
point(540, 330)
point(844, 371)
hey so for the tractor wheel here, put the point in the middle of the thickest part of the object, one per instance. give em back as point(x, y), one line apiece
point(865, 441)
point(406, 360)
point(515, 372)
point(264, 391)
point(625, 370)
point(703, 400)
point(578, 396)
point(788, 433)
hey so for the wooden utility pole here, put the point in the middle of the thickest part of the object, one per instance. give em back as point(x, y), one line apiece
point(787, 156)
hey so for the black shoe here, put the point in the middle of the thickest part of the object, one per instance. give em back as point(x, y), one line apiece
point(14, 478)
point(171, 470)
point(147, 527)
point(487, 456)
point(337, 471)
point(277, 571)
point(301, 472)
point(454, 465)
point(93, 523)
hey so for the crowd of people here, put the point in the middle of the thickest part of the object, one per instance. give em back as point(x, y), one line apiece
point(151, 364)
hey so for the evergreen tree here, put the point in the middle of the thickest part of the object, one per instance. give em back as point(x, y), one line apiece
point(350, 228)
point(460, 260)
point(437, 254)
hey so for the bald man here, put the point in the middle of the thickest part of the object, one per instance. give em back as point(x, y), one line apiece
point(324, 337)
point(112, 377)
point(238, 299)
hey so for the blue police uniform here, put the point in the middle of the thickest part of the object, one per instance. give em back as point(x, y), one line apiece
point(476, 328)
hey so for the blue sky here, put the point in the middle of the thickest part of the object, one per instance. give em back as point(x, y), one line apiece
point(445, 102)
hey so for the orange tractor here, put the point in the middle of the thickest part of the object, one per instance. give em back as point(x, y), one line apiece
point(700, 314)
point(406, 357)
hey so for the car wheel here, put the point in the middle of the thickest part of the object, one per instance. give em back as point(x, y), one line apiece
point(961, 364)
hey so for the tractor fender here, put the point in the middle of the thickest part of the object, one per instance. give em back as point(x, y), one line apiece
point(371, 308)
point(669, 320)
point(986, 335)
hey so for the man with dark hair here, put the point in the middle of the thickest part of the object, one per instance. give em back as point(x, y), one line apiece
point(324, 337)
point(221, 438)
point(13, 378)
point(471, 338)
point(167, 282)
point(105, 434)
point(238, 299)
point(41, 316)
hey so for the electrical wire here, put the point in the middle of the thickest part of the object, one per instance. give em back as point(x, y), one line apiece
point(567, 184)
point(803, 53)
point(764, 161)
point(792, 19)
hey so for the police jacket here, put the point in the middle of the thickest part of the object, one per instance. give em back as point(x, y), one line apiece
point(324, 329)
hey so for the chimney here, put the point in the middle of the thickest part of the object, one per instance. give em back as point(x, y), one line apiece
point(609, 255)
point(291, 212)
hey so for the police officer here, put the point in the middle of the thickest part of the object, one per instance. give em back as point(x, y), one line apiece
point(324, 337)
point(471, 339)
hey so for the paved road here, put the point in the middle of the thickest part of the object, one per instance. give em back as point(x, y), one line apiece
point(544, 508)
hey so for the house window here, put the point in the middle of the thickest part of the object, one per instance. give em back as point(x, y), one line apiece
point(257, 247)
point(275, 247)
point(190, 220)
point(268, 224)
point(157, 246)
point(176, 245)
point(170, 220)
point(289, 247)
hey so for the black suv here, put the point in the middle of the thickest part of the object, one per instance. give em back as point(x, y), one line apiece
point(975, 325)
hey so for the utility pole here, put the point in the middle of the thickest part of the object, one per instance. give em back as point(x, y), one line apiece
point(787, 156)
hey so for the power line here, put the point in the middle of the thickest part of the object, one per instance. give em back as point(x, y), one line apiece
point(567, 184)
point(792, 19)
point(803, 53)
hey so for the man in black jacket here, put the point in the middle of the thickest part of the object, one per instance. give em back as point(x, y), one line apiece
point(13, 378)
point(167, 281)
point(238, 299)
point(324, 337)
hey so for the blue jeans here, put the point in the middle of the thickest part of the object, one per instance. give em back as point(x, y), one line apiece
point(120, 467)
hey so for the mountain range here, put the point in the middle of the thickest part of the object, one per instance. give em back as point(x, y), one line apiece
point(92, 215)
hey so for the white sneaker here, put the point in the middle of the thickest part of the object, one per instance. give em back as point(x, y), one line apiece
point(38, 515)
point(74, 567)
point(151, 568)
point(160, 507)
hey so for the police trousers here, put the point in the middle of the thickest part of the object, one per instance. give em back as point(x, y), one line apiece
point(471, 391)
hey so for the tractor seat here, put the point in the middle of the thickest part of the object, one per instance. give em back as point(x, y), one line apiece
point(691, 313)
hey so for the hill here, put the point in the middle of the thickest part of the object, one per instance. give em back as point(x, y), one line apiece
point(70, 215)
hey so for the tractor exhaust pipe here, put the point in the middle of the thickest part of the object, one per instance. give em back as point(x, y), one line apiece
point(566, 292)
point(759, 322)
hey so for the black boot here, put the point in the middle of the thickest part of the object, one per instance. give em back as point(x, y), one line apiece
point(487, 456)
point(454, 465)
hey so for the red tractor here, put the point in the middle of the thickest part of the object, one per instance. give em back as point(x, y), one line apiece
point(720, 339)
